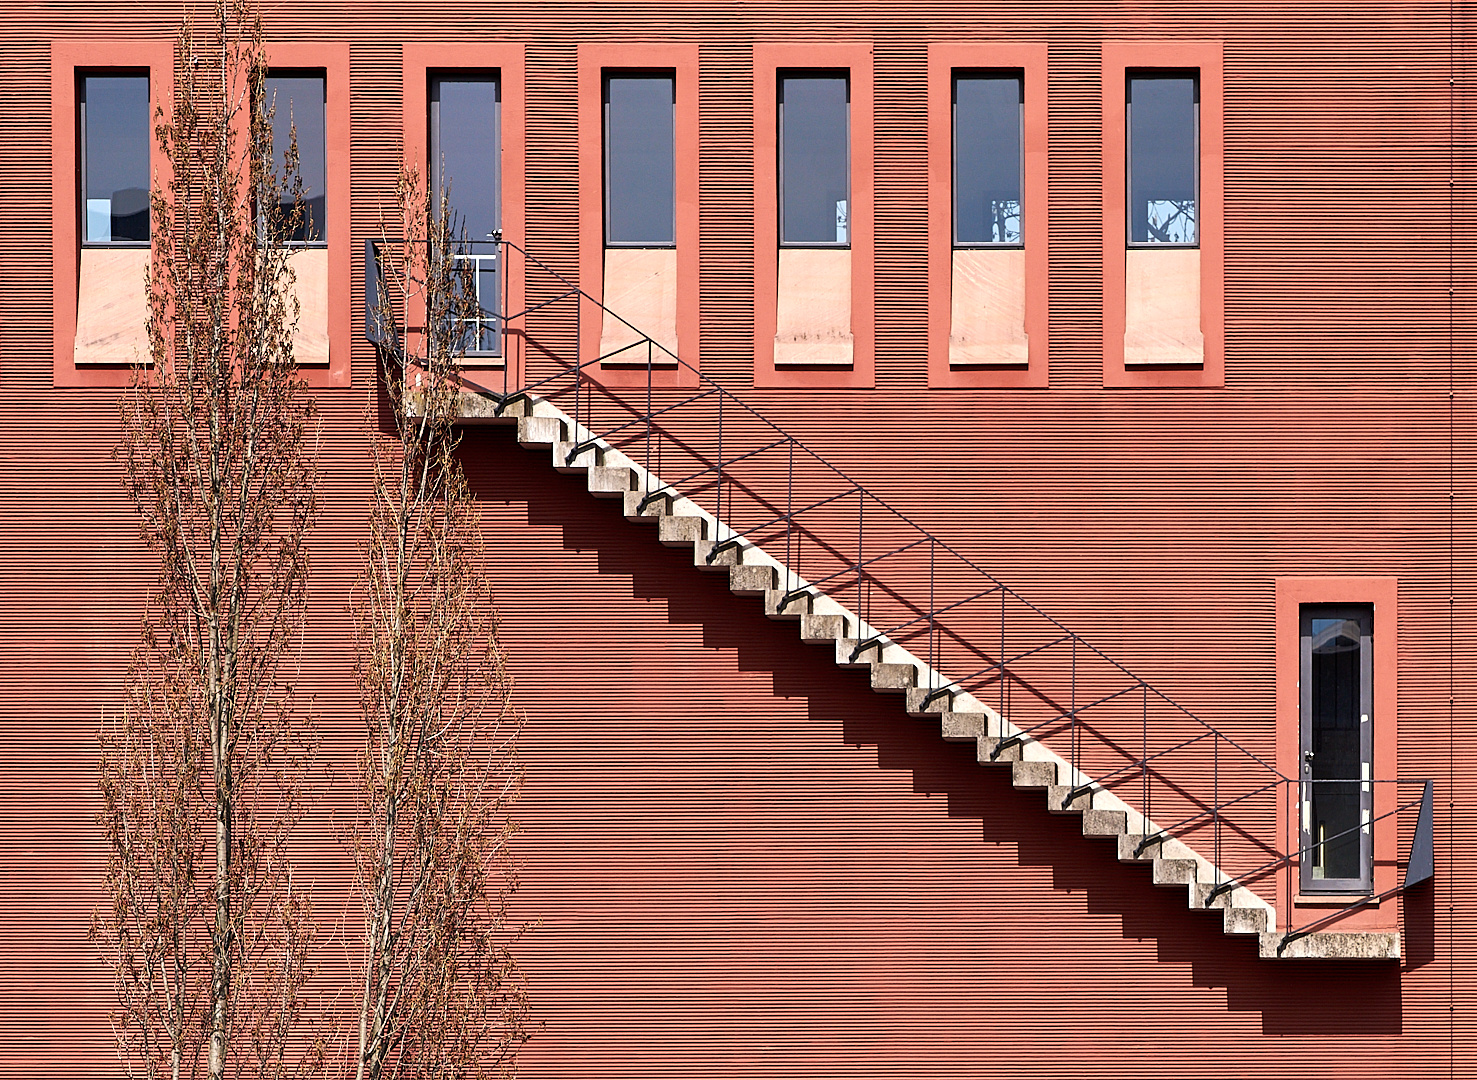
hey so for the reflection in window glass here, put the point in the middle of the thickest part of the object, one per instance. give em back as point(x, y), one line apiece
point(640, 161)
point(815, 160)
point(987, 159)
point(115, 159)
point(1163, 151)
point(298, 103)
point(466, 162)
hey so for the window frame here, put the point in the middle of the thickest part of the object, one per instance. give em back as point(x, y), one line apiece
point(592, 61)
point(419, 63)
point(1119, 58)
point(70, 60)
point(280, 72)
point(1019, 76)
point(1364, 615)
point(1030, 59)
point(1193, 74)
point(1379, 596)
point(800, 73)
point(82, 74)
point(434, 180)
point(771, 57)
point(639, 73)
point(331, 58)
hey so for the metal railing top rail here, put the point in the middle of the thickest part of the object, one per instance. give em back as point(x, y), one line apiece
point(708, 387)
point(637, 421)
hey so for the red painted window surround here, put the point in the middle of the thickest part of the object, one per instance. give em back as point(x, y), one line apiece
point(68, 58)
point(1382, 594)
point(506, 60)
point(593, 61)
point(1119, 57)
point(944, 59)
point(769, 58)
point(333, 59)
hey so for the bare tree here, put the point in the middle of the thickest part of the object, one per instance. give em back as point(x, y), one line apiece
point(441, 994)
point(202, 774)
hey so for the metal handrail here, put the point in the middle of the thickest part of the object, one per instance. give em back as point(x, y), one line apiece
point(639, 426)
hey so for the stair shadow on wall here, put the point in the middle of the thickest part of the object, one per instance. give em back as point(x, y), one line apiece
point(1293, 997)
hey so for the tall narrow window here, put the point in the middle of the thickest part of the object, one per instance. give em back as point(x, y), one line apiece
point(987, 159)
point(814, 160)
point(298, 104)
point(640, 160)
point(113, 122)
point(1163, 159)
point(466, 163)
point(1336, 747)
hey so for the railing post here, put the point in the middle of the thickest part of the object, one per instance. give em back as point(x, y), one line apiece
point(790, 520)
point(1144, 757)
point(860, 602)
point(933, 658)
point(648, 420)
point(1002, 659)
point(1076, 735)
point(1215, 812)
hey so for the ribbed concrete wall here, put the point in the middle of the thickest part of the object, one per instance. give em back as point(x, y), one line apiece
point(741, 862)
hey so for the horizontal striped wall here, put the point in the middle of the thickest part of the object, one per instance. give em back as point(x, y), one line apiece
point(735, 861)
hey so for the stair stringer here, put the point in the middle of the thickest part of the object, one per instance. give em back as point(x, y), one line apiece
point(683, 522)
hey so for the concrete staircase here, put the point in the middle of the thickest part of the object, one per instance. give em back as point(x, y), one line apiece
point(825, 623)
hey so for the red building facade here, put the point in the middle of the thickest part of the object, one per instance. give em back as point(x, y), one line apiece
point(1097, 498)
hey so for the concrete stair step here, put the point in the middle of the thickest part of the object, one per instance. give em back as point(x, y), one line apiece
point(1331, 944)
point(962, 726)
point(986, 754)
point(1033, 774)
point(656, 506)
point(750, 580)
point(610, 481)
point(1056, 800)
point(918, 706)
point(1128, 844)
point(893, 678)
point(779, 604)
point(539, 432)
point(1174, 871)
point(1240, 920)
point(1104, 823)
point(848, 655)
point(674, 530)
point(701, 550)
point(821, 629)
point(586, 459)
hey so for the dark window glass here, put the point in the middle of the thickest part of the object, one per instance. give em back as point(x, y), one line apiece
point(466, 150)
point(1336, 744)
point(815, 160)
point(987, 159)
point(466, 162)
point(640, 160)
point(298, 103)
point(114, 114)
point(1163, 155)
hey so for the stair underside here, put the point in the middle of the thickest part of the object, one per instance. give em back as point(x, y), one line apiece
point(894, 669)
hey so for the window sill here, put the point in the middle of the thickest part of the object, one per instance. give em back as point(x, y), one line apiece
point(1331, 899)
